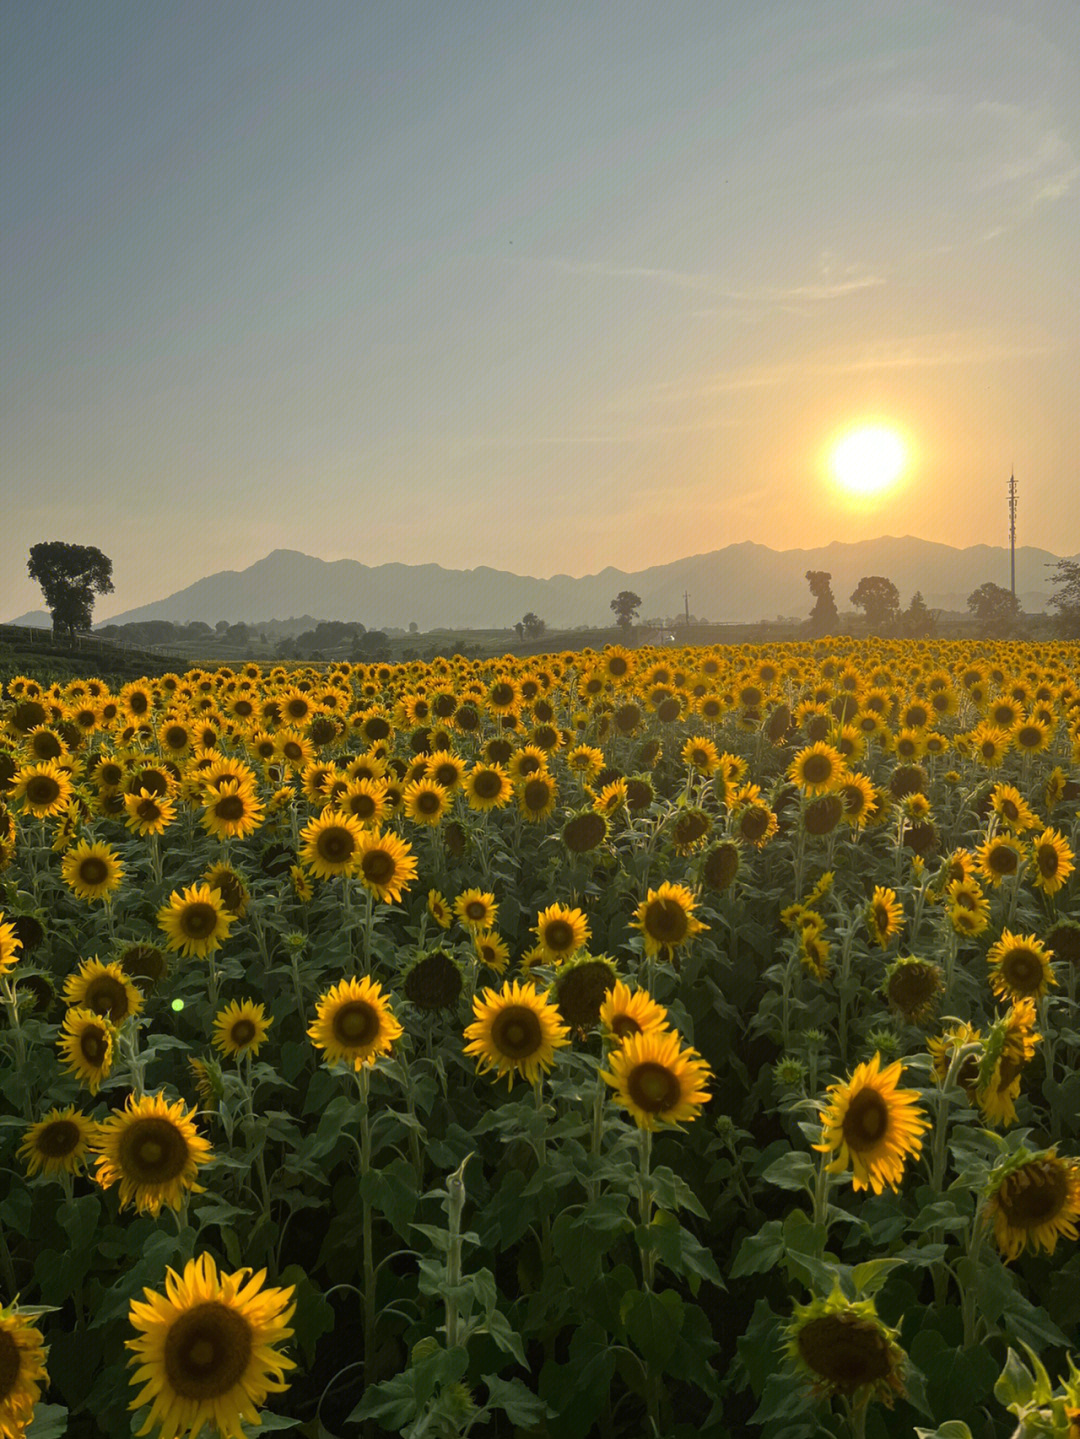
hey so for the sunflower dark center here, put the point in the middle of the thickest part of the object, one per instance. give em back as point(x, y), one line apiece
point(428, 802)
point(844, 1351)
point(362, 806)
point(56, 1141)
point(378, 866)
point(356, 1023)
point(559, 935)
point(149, 810)
point(42, 789)
point(1035, 1194)
point(1048, 860)
point(1029, 737)
point(487, 784)
point(152, 1151)
point(335, 845)
point(10, 1364)
point(653, 1087)
point(207, 1350)
point(666, 920)
point(817, 768)
point(93, 870)
point(476, 911)
point(866, 1121)
point(913, 986)
point(106, 995)
point(625, 1025)
point(198, 920)
point(1022, 970)
point(94, 1045)
point(230, 808)
point(617, 666)
point(242, 1033)
point(516, 1032)
point(536, 794)
point(502, 695)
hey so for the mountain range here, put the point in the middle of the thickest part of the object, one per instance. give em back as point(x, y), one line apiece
point(742, 582)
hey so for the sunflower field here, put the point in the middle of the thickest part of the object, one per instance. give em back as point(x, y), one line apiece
point(673, 1043)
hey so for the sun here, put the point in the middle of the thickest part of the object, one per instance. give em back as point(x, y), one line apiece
point(869, 460)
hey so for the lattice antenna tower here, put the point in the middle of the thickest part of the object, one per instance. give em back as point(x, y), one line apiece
point(1012, 533)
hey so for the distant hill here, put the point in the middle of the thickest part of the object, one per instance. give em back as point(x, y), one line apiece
point(33, 619)
point(744, 582)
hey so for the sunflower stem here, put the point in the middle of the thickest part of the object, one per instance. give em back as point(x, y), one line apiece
point(369, 926)
point(645, 1203)
point(362, 1082)
point(597, 1140)
point(11, 1004)
point(7, 1267)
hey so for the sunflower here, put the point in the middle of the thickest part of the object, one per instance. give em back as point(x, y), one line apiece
point(701, 755)
point(230, 886)
point(354, 1023)
point(536, 797)
point(10, 945)
point(1031, 735)
point(999, 858)
point(584, 760)
point(846, 1350)
point(57, 1144)
point(817, 769)
point(720, 865)
point(560, 932)
point(433, 981)
point(92, 871)
point(45, 789)
point(149, 813)
point(153, 1151)
point(585, 830)
point(516, 1032)
point(691, 827)
point(196, 921)
point(487, 787)
point(1033, 1200)
point(989, 744)
point(476, 909)
point(206, 1354)
point(330, 844)
point(626, 1012)
point(884, 915)
point(22, 1371)
point(857, 794)
point(665, 918)
point(103, 988)
point(911, 988)
point(656, 1080)
point(872, 1126)
point(240, 1028)
point(231, 810)
point(426, 802)
point(384, 864)
point(86, 1047)
point(1052, 861)
point(1009, 1046)
point(942, 1050)
point(580, 989)
point(1020, 967)
point(1012, 809)
point(491, 949)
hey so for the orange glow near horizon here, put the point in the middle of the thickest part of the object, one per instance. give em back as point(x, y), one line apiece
point(869, 460)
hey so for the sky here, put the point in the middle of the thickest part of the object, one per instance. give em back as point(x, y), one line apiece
point(541, 287)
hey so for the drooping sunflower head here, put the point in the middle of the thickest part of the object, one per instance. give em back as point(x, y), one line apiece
point(871, 1126)
point(516, 1032)
point(433, 981)
point(206, 1353)
point(657, 1080)
point(584, 831)
point(691, 827)
point(846, 1350)
point(145, 963)
point(1063, 942)
point(911, 987)
point(1033, 1200)
point(720, 865)
point(86, 1047)
point(10, 944)
point(354, 1023)
point(153, 1151)
point(884, 915)
point(666, 918)
point(580, 989)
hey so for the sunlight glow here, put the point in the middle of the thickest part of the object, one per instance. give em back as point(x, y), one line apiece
point(868, 460)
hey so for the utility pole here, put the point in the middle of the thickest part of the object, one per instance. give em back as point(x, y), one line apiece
point(686, 606)
point(1012, 532)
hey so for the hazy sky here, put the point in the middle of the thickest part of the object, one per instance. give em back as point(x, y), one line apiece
point(545, 287)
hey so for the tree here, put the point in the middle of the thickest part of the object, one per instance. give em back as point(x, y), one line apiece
point(917, 621)
point(879, 599)
point(996, 607)
point(532, 626)
point(626, 605)
point(1066, 597)
point(70, 576)
point(824, 615)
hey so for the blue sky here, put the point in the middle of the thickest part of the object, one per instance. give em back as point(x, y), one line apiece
point(542, 287)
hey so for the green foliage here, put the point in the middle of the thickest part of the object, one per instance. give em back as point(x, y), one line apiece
point(70, 576)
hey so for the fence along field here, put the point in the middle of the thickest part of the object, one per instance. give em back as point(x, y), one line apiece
point(676, 1041)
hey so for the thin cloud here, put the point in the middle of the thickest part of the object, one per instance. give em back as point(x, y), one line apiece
point(818, 291)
